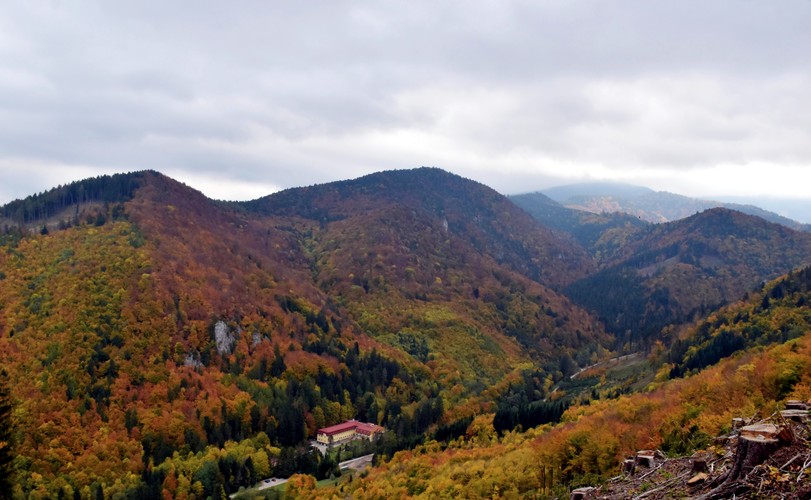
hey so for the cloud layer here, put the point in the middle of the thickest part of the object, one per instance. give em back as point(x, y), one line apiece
point(240, 99)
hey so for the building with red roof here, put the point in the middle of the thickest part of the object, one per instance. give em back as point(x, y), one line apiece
point(347, 431)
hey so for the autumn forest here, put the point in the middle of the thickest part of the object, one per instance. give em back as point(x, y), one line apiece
point(155, 343)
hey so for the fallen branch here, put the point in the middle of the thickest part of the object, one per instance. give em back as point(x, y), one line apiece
point(798, 455)
point(643, 476)
point(664, 485)
point(802, 471)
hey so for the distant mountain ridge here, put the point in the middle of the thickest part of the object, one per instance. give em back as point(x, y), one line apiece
point(602, 234)
point(670, 273)
point(650, 205)
point(562, 194)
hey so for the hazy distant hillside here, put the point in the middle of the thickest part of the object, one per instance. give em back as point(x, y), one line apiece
point(798, 209)
point(769, 216)
point(603, 234)
point(562, 194)
point(671, 272)
point(653, 206)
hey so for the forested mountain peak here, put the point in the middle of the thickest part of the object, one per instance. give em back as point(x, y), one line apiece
point(429, 188)
point(462, 207)
point(672, 272)
point(716, 225)
point(726, 221)
point(102, 189)
point(419, 242)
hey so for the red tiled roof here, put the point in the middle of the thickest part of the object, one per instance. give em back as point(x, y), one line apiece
point(338, 428)
point(360, 427)
point(368, 429)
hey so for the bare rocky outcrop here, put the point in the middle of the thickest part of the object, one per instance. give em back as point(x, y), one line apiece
point(224, 337)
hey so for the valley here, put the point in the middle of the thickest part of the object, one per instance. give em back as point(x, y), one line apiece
point(155, 342)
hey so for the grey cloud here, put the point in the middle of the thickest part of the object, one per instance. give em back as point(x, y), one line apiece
point(294, 93)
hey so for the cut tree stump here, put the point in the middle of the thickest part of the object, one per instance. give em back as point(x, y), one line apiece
point(699, 464)
point(755, 444)
point(645, 458)
point(795, 415)
point(793, 404)
point(760, 432)
point(628, 466)
point(583, 493)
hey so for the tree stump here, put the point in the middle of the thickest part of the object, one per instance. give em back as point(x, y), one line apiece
point(645, 458)
point(699, 464)
point(795, 415)
point(755, 444)
point(793, 404)
point(583, 493)
point(628, 466)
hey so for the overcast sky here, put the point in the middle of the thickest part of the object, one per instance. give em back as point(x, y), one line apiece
point(239, 99)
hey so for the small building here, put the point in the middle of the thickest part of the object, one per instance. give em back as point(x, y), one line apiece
point(347, 431)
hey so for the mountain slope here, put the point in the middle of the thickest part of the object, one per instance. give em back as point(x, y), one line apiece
point(562, 194)
point(675, 271)
point(426, 254)
point(777, 313)
point(603, 234)
point(470, 210)
point(587, 448)
point(168, 342)
point(126, 345)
